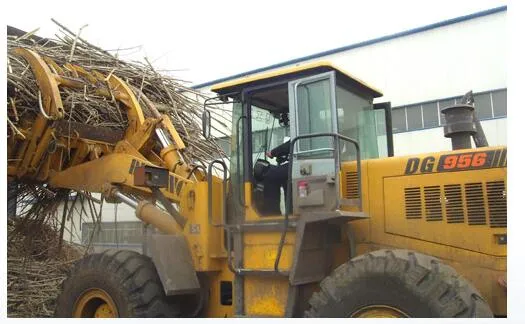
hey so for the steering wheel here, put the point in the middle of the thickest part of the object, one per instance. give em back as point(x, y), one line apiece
point(281, 159)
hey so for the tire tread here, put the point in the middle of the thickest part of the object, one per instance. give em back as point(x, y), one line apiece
point(134, 275)
point(437, 283)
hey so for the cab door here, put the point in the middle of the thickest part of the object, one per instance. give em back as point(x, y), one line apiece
point(315, 160)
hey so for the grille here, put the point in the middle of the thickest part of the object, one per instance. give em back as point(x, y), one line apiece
point(352, 191)
point(433, 209)
point(413, 202)
point(497, 201)
point(454, 204)
point(475, 204)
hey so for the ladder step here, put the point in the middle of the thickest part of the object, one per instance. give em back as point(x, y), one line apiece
point(263, 273)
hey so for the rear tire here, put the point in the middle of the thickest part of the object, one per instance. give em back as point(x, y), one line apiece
point(396, 283)
point(129, 279)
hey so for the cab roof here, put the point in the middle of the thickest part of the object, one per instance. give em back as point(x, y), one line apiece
point(294, 72)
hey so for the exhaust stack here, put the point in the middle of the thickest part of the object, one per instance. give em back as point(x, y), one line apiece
point(461, 123)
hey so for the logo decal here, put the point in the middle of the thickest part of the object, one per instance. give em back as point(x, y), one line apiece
point(458, 162)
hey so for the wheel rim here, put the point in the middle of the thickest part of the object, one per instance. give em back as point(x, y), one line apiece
point(381, 311)
point(95, 302)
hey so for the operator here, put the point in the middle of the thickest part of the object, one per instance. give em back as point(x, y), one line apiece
point(277, 176)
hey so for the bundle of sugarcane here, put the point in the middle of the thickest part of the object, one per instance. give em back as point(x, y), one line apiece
point(38, 257)
point(168, 95)
point(35, 268)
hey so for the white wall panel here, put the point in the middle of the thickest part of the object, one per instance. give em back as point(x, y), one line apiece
point(432, 140)
point(439, 63)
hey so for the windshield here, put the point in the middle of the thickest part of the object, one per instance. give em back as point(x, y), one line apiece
point(267, 133)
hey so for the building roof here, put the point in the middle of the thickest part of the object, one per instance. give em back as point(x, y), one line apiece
point(357, 45)
point(228, 86)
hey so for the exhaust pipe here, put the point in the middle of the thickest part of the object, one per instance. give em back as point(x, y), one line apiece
point(461, 123)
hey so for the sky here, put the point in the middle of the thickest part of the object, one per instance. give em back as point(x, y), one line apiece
point(200, 41)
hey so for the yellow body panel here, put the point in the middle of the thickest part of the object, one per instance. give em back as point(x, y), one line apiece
point(205, 240)
point(215, 308)
point(471, 249)
point(251, 214)
point(260, 250)
point(265, 296)
point(479, 239)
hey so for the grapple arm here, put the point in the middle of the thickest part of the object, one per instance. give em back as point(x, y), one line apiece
point(50, 149)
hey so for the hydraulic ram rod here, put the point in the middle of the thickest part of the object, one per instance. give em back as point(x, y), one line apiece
point(150, 214)
point(125, 199)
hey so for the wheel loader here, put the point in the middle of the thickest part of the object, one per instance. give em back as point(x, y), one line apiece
point(334, 225)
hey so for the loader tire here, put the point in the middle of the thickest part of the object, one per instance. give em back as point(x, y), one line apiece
point(396, 283)
point(115, 283)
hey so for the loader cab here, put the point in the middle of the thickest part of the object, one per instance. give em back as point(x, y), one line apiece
point(323, 115)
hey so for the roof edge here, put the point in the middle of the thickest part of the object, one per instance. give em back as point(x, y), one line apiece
point(359, 44)
point(236, 82)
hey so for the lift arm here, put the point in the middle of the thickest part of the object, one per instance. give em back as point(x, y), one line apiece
point(96, 159)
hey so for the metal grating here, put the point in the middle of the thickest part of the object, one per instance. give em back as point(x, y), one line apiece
point(497, 200)
point(413, 202)
point(454, 204)
point(352, 191)
point(433, 209)
point(475, 204)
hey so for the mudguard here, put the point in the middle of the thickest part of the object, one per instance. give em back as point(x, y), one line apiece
point(172, 258)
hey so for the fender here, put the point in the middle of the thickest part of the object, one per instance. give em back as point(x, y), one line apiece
point(172, 258)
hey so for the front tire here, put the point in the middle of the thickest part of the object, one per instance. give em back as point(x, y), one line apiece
point(396, 283)
point(116, 283)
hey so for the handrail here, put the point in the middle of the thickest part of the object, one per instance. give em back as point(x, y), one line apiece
point(325, 149)
point(238, 159)
point(210, 192)
point(289, 186)
point(224, 210)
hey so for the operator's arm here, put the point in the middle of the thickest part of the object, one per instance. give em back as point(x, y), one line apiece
point(281, 150)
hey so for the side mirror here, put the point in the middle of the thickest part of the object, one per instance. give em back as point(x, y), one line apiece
point(206, 123)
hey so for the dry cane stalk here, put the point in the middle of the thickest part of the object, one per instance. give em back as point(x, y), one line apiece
point(36, 266)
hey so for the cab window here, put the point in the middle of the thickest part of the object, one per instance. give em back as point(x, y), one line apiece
point(358, 120)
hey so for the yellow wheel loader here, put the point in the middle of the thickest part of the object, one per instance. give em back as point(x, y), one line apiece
point(313, 216)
